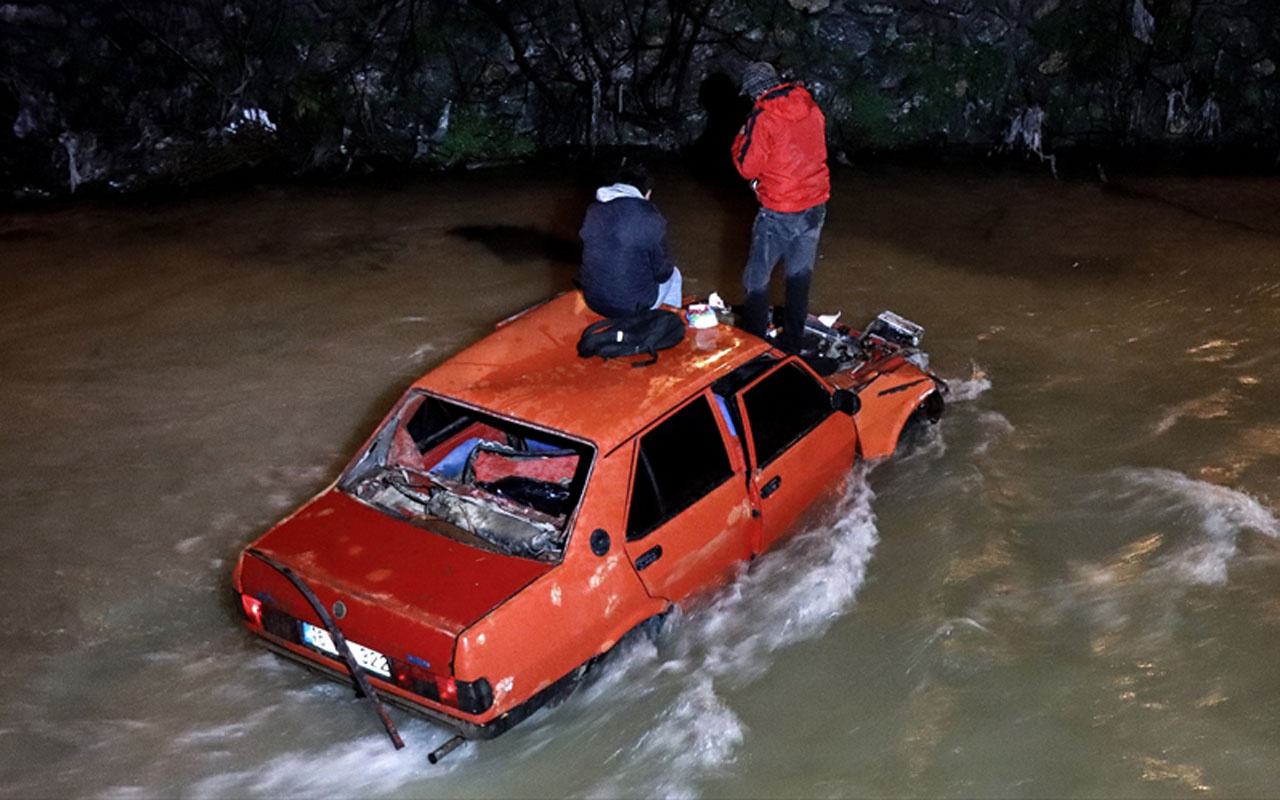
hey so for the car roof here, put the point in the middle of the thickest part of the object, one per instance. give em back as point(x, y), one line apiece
point(529, 369)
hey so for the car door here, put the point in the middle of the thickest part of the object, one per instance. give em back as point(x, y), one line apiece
point(797, 446)
point(689, 520)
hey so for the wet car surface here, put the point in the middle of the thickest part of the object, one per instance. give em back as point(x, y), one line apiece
point(521, 509)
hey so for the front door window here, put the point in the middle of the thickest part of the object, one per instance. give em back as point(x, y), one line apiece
point(782, 408)
point(799, 447)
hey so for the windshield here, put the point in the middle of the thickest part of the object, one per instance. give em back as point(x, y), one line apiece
point(481, 479)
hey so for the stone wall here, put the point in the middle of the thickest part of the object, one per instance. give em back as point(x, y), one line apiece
point(126, 94)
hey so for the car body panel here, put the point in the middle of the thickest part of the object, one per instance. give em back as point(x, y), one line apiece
point(888, 401)
point(701, 545)
point(341, 542)
point(802, 474)
point(699, 548)
point(530, 370)
point(790, 482)
point(445, 608)
point(573, 613)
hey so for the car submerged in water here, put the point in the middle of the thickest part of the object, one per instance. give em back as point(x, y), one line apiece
point(522, 508)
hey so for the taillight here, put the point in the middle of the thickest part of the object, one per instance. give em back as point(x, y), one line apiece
point(448, 690)
point(473, 697)
point(252, 608)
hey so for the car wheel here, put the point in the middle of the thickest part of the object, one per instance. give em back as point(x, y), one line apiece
point(922, 419)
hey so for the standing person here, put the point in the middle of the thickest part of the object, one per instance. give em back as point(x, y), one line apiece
point(626, 266)
point(782, 150)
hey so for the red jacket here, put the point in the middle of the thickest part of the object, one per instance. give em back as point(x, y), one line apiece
point(783, 145)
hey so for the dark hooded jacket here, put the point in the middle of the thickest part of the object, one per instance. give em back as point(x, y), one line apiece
point(624, 252)
point(783, 146)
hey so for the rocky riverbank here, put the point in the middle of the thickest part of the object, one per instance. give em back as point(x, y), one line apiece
point(125, 95)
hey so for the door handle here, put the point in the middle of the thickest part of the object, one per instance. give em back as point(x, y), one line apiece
point(648, 557)
point(770, 487)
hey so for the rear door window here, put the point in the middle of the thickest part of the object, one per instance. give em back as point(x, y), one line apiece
point(782, 408)
point(679, 461)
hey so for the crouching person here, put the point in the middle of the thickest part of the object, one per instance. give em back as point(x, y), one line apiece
point(626, 265)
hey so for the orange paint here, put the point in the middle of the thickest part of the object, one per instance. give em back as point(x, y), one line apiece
point(480, 596)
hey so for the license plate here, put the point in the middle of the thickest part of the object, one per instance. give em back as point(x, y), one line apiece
point(366, 657)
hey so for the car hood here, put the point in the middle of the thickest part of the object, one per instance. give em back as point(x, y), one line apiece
point(354, 550)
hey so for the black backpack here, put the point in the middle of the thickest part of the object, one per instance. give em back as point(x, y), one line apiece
point(643, 332)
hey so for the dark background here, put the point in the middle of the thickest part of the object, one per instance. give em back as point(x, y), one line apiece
point(123, 95)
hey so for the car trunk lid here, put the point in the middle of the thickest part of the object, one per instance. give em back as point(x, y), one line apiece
point(405, 591)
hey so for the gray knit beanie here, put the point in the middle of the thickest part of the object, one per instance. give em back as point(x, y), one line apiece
point(757, 77)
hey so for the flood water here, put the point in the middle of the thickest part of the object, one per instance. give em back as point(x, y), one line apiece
point(1069, 588)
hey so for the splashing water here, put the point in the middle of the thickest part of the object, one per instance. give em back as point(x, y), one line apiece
point(969, 388)
point(794, 595)
point(1221, 514)
point(1190, 532)
point(694, 737)
point(350, 768)
point(789, 596)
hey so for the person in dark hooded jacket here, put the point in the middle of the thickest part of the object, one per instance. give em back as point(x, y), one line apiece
point(626, 266)
point(782, 150)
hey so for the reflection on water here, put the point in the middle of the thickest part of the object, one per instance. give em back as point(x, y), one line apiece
point(1070, 587)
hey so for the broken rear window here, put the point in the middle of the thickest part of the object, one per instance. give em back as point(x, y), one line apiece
point(481, 479)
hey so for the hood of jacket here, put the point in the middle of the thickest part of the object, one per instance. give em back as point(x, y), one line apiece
point(791, 101)
point(616, 190)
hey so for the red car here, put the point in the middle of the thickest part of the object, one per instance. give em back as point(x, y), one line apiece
point(522, 508)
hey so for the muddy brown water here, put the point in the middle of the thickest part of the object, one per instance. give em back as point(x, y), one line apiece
point(1069, 588)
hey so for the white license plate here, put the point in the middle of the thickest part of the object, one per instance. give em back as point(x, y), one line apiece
point(368, 658)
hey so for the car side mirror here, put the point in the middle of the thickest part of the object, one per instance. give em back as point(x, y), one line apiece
point(846, 400)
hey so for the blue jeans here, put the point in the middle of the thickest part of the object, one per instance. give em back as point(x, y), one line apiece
point(670, 291)
point(790, 237)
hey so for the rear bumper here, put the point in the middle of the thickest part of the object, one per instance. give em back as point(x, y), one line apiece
point(335, 672)
point(467, 729)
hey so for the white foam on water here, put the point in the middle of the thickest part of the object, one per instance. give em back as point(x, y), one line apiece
point(792, 595)
point(693, 738)
point(423, 350)
point(288, 487)
point(1213, 406)
point(995, 426)
point(1221, 514)
point(213, 735)
point(1190, 532)
point(187, 545)
point(349, 768)
point(957, 649)
point(967, 389)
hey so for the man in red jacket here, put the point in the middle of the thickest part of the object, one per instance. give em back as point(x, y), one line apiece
point(782, 150)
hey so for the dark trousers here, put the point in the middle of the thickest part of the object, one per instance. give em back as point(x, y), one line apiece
point(791, 237)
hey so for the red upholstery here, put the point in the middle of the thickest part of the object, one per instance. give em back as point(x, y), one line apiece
point(553, 468)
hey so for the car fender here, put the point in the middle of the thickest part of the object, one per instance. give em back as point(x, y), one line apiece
point(887, 404)
point(552, 627)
